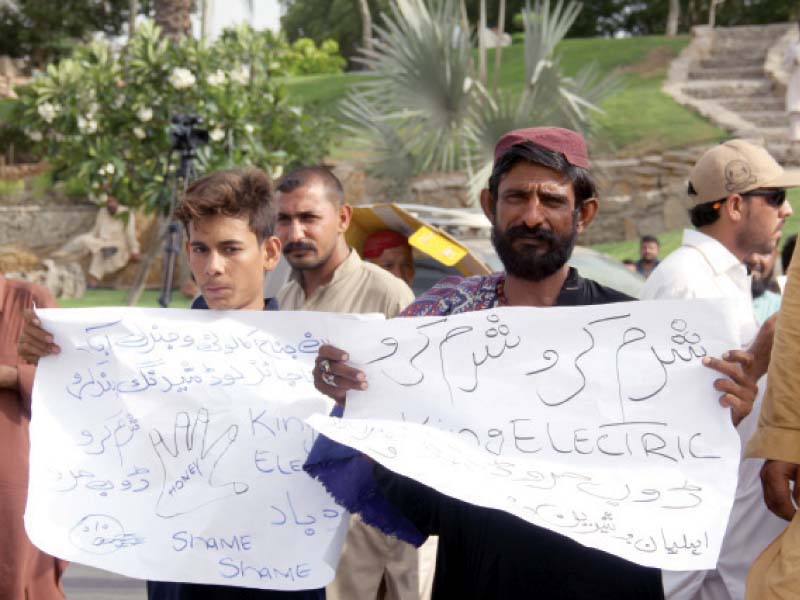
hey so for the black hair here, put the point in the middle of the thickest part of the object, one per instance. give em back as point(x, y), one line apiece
point(582, 181)
point(305, 175)
point(787, 251)
point(649, 238)
point(702, 214)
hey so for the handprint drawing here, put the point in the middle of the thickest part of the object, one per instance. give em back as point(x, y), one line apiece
point(189, 464)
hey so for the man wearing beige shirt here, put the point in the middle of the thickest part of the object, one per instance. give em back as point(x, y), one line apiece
point(329, 276)
point(776, 573)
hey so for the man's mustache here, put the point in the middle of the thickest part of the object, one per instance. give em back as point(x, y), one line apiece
point(294, 246)
point(539, 234)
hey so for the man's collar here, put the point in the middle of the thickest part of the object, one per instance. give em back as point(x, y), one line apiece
point(718, 256)
point(572, 287)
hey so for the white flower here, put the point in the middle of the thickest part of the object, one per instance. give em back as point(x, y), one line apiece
point(106, 169)
point(119, 101)
point(139, 133)
point(145, 114)
point(93, 108)
point(217, 134)
point(36, 136)
point(249, 128)
point(276, 171)
point(181, 78)
point(216, 78)
point(241, 75)
point(47, 111)
point(296, 110)
point(87, 124)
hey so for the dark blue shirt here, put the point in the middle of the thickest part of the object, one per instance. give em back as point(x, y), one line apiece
point(165, 590)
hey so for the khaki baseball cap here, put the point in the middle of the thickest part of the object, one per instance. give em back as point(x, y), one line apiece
point(736, 167)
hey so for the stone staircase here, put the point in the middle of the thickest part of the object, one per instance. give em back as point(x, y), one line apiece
point(729, 76)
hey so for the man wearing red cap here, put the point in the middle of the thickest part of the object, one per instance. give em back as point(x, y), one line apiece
point(540, 196)
point(390, 250)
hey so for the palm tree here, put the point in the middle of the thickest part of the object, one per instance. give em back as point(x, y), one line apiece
point(366, 24)
point(423, 110)
point(174, 17)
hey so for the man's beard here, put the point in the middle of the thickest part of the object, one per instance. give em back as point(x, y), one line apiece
point(532, 263)
point(758, 285)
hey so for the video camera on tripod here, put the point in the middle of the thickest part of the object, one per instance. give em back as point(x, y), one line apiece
point(185, 137)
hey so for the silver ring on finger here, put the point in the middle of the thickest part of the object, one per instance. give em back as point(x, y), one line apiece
point(326, 373)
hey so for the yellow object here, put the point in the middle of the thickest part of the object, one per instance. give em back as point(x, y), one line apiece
point(423, 236)
point(437, 246)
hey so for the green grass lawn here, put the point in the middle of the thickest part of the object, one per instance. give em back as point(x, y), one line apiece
point(670, 240)
point(638, 118)
point(104, 297)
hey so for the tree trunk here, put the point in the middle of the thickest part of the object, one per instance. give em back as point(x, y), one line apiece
point(712, 12)
point(498, 50)
point(366, 24)
point(482, 44)
point(133, 7)
point(206, 18)
point(673, 17)
point(174, 17)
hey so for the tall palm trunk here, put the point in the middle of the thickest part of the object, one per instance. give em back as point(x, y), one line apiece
point(482, 44)
point(366, 24)
point(498, 49)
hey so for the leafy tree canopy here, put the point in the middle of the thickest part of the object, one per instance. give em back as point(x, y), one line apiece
point(46, 30)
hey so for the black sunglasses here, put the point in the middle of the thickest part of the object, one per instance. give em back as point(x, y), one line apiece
point(775, 197)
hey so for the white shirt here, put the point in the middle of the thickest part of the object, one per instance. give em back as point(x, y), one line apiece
point(703, 268)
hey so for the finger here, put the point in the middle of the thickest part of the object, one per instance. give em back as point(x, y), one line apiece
point(353, 377)
point(34, 329)
point(742, 357)
point(159, 445)
point(182, 433)
point(40, 345)
point(731, 369)
point(202, 422)
point(777, 495)
point(744, 391)
point(219, 446)
point(740, 409)
point(332, 353)
point(30, 352)
point(339, 394)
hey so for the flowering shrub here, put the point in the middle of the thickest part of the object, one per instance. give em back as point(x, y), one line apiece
point(102, 119)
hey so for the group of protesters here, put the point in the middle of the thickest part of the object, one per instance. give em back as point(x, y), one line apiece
point(541, 195)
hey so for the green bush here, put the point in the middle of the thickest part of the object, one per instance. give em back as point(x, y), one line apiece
point(102, 119)
point(305, 58)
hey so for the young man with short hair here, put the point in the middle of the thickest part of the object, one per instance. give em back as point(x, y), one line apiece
point(738, 192)
point(229, 219)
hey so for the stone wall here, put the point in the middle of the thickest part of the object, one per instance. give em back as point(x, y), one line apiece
point(44, 227)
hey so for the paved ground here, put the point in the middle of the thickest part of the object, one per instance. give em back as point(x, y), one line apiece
point(85, 583)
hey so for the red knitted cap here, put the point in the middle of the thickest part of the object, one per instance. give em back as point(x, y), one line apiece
point(567, 142)
point(379, 241)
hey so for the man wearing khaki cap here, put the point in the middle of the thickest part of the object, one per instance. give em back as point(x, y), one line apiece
point(739, 207)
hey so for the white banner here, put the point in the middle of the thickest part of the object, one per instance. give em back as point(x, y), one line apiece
point(169, 444)
point(599, 423)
